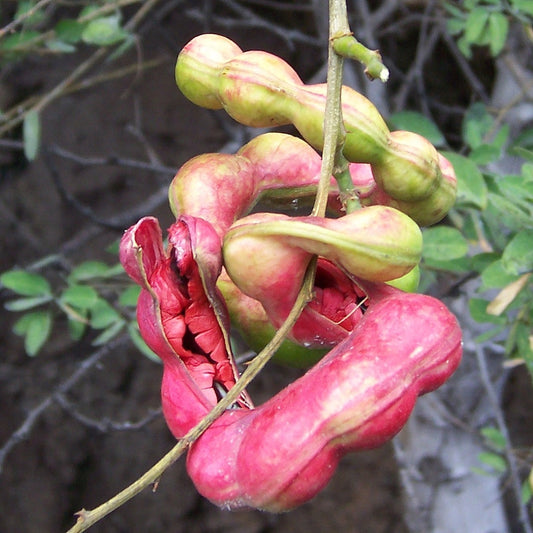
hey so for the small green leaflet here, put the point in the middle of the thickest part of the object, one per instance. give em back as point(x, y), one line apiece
point(476, 24)
point(35, 327)
point(104, 31)
point(493, 460)
point(494, 437)
point(443, 242)
point(498, 30)
point(31, 134)
point(517, 257)
point(25, 283)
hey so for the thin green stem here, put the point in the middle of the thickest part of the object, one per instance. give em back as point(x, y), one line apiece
point(333, 142)
point(88, 518)
point(333, 161)
point(334, 133)
point(348, 46)
point(348, 192)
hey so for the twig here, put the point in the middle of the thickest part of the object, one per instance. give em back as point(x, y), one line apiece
point(139, 16)
point(105, 425)
point(502, 426)
point(28, 14)
point(343, 44)
point(57, 90)
point(24, 106)
point(70, 199)
point(377, 17)
point(77, 73)
point(468, 73)
point(125, 219)
point(24, 230)
point(424, 49)
point(109, 161)
point(334, 136)
point(279, 6)
point(334, 133)
point(248, 18)
point(26, 427)
point(128, 217)
point(105, 9)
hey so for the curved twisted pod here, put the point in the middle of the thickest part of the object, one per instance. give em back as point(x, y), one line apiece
point(259, 89)
point(386, 346)
point(377, 243)
point(266, 256)
point(358, 396)
point(282, 453)
point(220, 188)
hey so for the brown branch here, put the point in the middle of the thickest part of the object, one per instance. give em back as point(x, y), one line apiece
point(33, 416)
point(76, 74)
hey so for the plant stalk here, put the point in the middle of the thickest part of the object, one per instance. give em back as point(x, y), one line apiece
point(334, 135)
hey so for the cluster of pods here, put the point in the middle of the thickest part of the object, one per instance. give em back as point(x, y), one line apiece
point(372, 345)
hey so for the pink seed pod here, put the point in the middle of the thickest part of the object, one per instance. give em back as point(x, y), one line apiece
point(220, 188)
point(181, 314)
point(281, 454)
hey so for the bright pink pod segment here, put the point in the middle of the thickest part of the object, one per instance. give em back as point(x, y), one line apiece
point(357, 397)
point(181, 315)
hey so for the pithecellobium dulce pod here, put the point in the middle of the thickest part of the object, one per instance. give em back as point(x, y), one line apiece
point(282, 453)
point(180, 313)
point(220, 188)
point(425, 212)
point(357, 397)
point(388, 346)
point(259, 89)
point(376, 243)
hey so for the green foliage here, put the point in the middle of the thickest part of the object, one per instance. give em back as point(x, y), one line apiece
point(95, 299)
point(103, 31)
point(412, 121)
point(494, 461)
point(36, 30)
point(443, 243)
point(494, 437)
point(35, 326)
point(26, 283)
point(485, 23)
point(489, 233)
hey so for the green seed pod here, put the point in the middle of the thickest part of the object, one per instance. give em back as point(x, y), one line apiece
point(198, 68)
point(377, 244)
point(410, 168)
point(408, 282)
point(259, 89)
point(255, 89)
point(252, 322)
